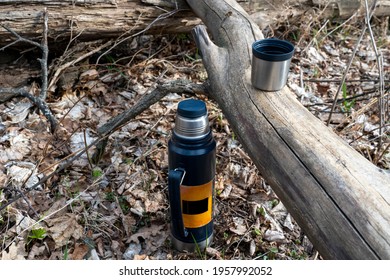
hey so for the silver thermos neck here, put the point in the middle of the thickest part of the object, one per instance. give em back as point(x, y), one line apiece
point(191, 120)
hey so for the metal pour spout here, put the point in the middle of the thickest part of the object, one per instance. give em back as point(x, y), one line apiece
point(191, 120)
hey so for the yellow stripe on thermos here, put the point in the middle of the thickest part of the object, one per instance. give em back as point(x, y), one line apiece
point(197, 204)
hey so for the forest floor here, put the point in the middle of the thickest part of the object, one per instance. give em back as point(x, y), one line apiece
point(119, 208)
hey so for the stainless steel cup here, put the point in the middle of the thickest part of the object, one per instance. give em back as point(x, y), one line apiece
point(270, 63)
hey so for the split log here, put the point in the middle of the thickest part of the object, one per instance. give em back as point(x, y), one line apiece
point(97, 19)
point(339, 198)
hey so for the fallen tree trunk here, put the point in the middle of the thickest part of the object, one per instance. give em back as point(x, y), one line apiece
point(97, 19)
point(94, 19)
point(339, 198)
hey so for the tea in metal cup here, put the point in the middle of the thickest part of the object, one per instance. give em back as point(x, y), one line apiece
point(270, 63)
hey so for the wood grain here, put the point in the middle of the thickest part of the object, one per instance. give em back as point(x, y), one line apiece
point(341, 200)
point(97, 19)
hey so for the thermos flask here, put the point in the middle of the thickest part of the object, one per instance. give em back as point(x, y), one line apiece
point(191, 160)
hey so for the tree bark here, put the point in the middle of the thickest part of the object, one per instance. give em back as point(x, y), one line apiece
point(97, 19)
point(339, 198)
point(93, 19)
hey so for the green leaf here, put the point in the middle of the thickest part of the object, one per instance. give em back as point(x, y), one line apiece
point(39, 233)
point(96, 173)
point(110, 196)
point(261, 211)
point(344, 90)
point(273, 250)
point(274, 202)
point(225, 235)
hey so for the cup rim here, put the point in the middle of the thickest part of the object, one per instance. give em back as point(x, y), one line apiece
point(273, 49)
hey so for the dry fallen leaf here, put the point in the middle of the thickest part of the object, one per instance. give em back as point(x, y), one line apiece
point(17, 147)
point(128, 222)
point(22, 174)
point(214, 253)
point(133, 250)
point(288, 222)
point(89, 75)
point(141, 257)
point(252, 248)
point(23, 223)
point(36, 251)
point(78, 141)
point(80, 251)
point(274, 235)
point(63, 228)
point(94, 255)
point(239, 226)
point(154, 237)
point(15, 252)
point(19, 112)
point(59, 206)
point(226, 192)
point(154, 203)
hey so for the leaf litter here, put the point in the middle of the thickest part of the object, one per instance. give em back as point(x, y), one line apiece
point(119, 209)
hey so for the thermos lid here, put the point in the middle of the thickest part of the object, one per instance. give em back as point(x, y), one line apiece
point(191, 121)
point(192, 108)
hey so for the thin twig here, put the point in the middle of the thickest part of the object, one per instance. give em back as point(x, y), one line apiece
point(24, 197)
point(360, 111)
point(160, 17)
point(345, 76)
point(60, 69)
point(358, 97)
point(179, 86)
point(86, 150)
point(307, 29)
point(40, 100)
point(315, 36)
point(341, 25)
point(42, 106)
point(18, 39)
point(72, 39)
point(349, 64)
point(370, 131)
point(379, 60)
point(45, 56)
point(377, 159)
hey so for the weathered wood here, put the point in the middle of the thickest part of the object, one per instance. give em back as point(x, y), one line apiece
point(97, 19)
point(340, 199)
point(91, 20)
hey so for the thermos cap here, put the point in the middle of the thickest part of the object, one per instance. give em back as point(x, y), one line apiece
point(191, 121)
point(192, 108)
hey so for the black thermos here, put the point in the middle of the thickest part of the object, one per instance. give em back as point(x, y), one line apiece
point(191, 157)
